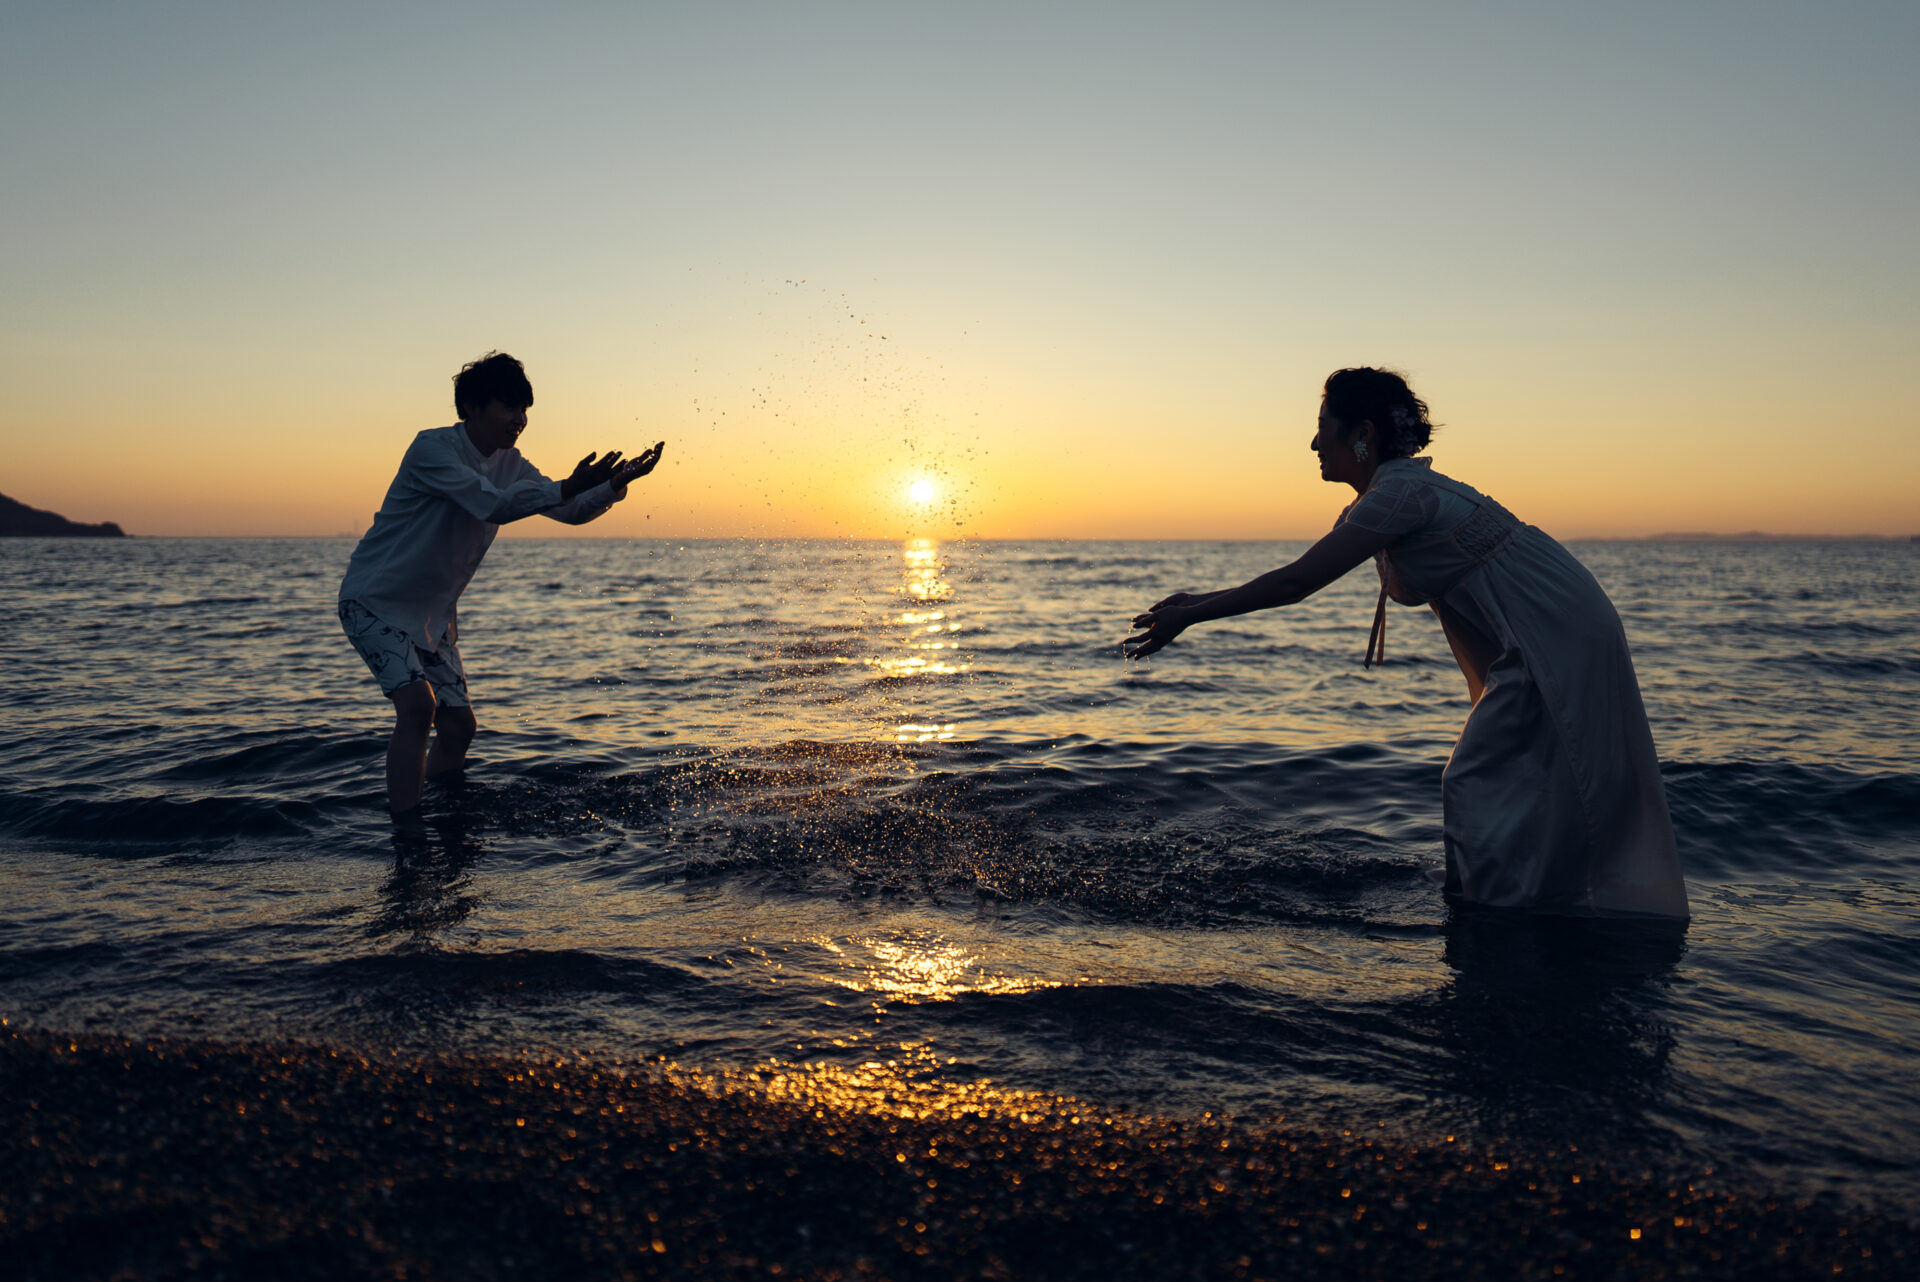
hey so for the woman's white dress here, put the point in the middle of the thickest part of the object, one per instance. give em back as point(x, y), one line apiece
point(1552, 796)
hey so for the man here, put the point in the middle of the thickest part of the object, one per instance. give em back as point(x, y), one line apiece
point(456, 487)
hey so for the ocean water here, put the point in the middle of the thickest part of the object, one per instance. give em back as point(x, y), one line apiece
point(823, 803)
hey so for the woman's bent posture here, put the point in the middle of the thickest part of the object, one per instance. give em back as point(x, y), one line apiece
point(1552, 797)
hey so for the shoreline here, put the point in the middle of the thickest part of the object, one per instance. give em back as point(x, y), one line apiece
point(162, 1158)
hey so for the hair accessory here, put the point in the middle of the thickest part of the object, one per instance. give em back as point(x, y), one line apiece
point(1360, 450)
point(1406, 431)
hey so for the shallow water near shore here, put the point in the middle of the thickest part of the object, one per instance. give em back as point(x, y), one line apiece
point(903, 805)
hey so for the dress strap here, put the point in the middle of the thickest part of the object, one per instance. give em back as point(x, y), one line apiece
point(1377, 639)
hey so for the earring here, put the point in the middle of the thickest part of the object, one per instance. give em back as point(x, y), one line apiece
point(1360, 450)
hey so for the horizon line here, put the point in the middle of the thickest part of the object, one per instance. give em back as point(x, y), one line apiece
point(1665, 536)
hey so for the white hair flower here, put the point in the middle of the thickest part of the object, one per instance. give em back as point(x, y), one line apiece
point(1406, 431)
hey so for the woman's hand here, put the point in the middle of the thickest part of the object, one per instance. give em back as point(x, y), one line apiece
point(1162, 623)
point(1340, 551)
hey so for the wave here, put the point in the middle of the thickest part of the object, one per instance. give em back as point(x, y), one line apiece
point(289, 759)
point(1195, 831)
point(520, 970)
point(1851, 665)
point(1734, 818)
point(138, 606)
point(145, 825)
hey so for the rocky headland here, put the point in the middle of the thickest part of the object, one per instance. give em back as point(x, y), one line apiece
point(16, 518)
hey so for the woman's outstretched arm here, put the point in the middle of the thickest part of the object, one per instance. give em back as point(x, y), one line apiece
point(1340, 551)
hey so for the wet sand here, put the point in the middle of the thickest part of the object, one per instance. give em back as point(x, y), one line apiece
point(157, 1160)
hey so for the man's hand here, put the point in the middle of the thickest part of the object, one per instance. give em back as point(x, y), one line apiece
point(589, 472)
point(635, 468)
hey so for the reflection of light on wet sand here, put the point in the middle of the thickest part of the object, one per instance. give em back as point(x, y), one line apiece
point(921, 966)
point(918, 1166)
point(910, 1084)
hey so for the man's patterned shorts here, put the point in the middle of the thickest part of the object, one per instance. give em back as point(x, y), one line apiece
point(396, 661)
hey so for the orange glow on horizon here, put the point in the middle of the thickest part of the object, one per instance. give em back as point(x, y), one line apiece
point(811, 426)
point(951, 247)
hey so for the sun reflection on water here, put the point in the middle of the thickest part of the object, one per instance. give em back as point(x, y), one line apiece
point(923, 634)
point(921, 966)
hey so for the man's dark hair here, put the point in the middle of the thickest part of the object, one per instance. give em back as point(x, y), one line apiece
point(494, 377)
point(1399, 417)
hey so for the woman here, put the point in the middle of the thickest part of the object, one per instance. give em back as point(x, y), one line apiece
point(1552, 796)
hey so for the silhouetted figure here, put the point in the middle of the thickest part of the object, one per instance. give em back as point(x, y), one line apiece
point(398, 602)
point(1552, 797)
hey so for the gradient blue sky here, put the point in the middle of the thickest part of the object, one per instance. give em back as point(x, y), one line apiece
point(1654, 266)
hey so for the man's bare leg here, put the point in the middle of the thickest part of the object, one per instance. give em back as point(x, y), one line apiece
point(413, 716)
point(453, 729)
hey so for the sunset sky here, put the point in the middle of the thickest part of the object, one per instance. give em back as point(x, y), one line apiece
point(1081, 267)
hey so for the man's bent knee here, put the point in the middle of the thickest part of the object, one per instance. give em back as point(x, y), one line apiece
point(453, 721)
point(413, 705)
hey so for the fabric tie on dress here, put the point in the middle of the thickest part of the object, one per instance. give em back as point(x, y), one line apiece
point(1377, 639)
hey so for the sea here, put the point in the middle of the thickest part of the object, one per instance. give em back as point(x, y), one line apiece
point(904, 806)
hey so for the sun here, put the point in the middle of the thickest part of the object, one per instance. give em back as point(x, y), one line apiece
point(921, 491)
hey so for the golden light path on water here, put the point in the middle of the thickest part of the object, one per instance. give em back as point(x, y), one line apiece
point(926, 643)
point(922, 966)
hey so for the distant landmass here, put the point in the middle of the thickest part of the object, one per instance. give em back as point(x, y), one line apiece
point(16, 518)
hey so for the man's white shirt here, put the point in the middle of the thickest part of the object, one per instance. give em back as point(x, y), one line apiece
point(438, 520)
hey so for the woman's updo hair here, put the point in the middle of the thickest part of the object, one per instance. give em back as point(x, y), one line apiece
point(1400, 417)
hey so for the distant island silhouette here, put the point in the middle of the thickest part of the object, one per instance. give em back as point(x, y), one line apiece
point(16, 518)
